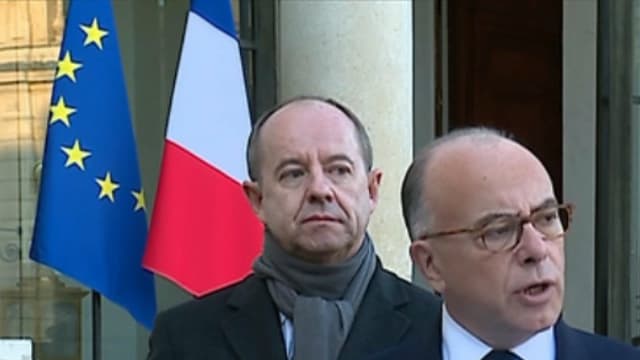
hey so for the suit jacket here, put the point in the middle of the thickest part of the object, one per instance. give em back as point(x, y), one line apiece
point(571, 344)
point(241, 322)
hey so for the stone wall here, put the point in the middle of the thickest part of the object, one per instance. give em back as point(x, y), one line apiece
point(30, 35)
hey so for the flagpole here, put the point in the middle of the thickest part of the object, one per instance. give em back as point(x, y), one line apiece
point(96, 325)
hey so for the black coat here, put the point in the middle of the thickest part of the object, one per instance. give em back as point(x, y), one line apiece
point(571, 344)
point(241, 322)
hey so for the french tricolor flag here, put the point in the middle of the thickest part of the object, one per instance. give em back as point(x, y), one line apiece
point(204, 234)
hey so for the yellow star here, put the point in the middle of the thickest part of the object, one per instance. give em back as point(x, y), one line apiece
point(66, 67)
point(60, 112)
point(94, 34)
point(107, 187)
point(139, 200)
point(75, 155)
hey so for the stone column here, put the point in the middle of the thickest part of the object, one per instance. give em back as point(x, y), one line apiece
point(360, 53)
point(580, 29)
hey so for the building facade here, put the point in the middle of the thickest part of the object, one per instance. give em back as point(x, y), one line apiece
point(564, 77)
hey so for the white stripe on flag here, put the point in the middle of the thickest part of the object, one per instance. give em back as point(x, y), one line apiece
point(209, 113)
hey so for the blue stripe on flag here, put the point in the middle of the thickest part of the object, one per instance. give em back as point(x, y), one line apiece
point(217, 13)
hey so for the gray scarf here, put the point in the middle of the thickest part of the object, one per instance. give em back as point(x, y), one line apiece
point(321, 300)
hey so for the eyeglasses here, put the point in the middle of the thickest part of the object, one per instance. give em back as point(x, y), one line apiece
point(503, 232)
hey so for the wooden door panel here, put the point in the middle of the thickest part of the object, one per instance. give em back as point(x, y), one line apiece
point(505, 71)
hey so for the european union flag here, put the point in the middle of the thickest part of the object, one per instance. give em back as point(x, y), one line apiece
point(91, 222)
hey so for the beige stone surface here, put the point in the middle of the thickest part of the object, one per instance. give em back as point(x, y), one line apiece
point(30, 23)
point(30, 34)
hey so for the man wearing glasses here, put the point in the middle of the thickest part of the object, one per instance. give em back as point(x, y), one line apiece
point(488, 234)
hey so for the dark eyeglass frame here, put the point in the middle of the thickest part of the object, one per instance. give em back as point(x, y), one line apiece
point(479, 229)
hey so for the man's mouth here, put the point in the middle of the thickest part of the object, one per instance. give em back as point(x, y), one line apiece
point(536, 294)
point(320, 218)
point(536, 289)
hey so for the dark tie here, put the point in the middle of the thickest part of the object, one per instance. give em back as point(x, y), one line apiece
point(501, 355)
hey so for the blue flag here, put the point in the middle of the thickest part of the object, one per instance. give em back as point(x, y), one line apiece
point(91, 221)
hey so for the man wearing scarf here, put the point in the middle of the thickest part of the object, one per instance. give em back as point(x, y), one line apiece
point(318, 291)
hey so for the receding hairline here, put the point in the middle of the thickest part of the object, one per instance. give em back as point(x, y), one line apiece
point(303, 101)
point(415, 205)
point(461, 137)
point(301, 105)
point(359, 131)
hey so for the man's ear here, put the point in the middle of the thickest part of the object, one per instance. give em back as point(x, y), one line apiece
point(254, 194)
point(375, 178)
point(422, 254)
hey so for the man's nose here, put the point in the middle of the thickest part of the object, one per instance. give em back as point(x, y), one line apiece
point(533, 245)
point(320, 187)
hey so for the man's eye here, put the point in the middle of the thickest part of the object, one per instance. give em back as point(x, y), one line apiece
point(546, 218)
point(498, 230)
point(340, 170)
point(291, 174)
point(550, 216)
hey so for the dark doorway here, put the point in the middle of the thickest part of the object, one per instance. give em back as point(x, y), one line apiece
point(505, 71)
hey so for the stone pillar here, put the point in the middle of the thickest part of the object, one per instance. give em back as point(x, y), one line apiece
point(360, 53)
point(580, 28)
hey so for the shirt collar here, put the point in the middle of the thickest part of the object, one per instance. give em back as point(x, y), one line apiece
point(458, 343)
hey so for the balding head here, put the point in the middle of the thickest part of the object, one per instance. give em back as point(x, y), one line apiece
point(416, 211)
point(253, 145)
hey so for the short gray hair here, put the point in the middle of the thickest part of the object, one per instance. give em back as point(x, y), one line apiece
point(253, 153)
point(416, 209)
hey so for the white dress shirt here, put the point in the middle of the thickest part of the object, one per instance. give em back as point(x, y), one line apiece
point(286, 326)
point(460, 344)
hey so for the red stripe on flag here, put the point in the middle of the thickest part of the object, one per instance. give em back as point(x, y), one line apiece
point(204, 234)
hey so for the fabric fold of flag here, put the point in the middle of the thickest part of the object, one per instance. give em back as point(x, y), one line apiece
point(204, 234)
point(90, 222)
